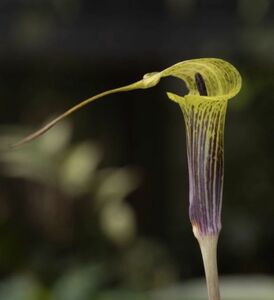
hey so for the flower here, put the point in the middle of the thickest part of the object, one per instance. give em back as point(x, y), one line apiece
point(211, 83)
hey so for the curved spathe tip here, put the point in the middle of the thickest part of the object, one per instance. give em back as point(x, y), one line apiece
point(222, 80)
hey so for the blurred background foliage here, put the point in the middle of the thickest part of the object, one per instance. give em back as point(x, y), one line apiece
point(98, 207)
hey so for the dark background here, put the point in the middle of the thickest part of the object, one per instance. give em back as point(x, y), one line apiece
point(56, 232)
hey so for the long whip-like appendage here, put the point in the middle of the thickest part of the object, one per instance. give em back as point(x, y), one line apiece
point(52, 123)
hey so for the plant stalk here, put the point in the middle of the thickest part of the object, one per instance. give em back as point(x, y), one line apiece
point(208, 246)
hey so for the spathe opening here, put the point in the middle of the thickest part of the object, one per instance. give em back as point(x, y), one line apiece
point(174, 85)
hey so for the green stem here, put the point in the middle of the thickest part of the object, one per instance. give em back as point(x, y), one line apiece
point(208, 246)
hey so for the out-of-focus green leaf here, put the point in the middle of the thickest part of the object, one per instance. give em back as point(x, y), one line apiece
point(78, 168)
point(116, 184)
point(118, 223)
point(79, 284)
point(22, 288)
point(232, 288)
point(122, 295)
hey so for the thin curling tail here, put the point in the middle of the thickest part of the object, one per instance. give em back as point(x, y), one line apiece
point(149, 80)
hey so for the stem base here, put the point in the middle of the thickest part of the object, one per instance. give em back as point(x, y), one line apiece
point(208, 246)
